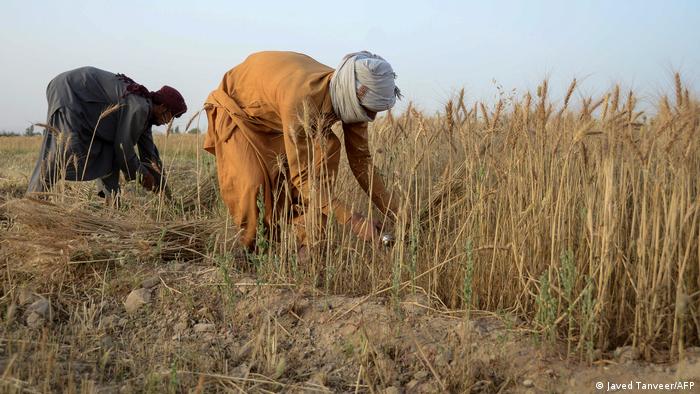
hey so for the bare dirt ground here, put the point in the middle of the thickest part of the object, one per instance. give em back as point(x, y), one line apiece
point(186, 328)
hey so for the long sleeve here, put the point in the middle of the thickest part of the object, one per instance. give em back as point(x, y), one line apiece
point(131, 126)
point(148, 152)
point(150, 159)
point(362, 167)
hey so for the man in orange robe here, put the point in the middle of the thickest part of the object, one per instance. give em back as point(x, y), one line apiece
point(270, 124)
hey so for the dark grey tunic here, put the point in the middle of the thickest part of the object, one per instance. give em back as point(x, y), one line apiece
point(87, 146)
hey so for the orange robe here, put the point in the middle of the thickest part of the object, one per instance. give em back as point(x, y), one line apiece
point(257, 132)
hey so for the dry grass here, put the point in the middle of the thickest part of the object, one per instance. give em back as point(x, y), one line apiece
point(579, 218)
point(583, 222)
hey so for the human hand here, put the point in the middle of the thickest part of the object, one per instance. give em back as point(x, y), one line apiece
point(146, 179)
point(363, 228)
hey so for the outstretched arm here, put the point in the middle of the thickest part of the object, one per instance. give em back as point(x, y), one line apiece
point(148, 152)
point(362, 167)
point(150, 158)
point(132, 123)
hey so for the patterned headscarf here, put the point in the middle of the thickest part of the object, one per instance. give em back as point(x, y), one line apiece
point(363, 79)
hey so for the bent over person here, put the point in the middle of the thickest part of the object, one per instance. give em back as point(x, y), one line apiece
point(95, 118)
point(270, 121)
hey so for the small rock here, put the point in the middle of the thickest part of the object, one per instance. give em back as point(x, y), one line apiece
point(34, 320)
point(42, 307)
point(180, 327)
point(209, 337)
point(204, 327)
point(107, 342)
point(241, 371)
point(391, 390)
point(442, 360)
point(151, 282)
point(136, 299)
point(420, 375)
point(482, 386)
point(410, 385)
point(109, 321)
point(626, 354)
point(204, 313)
point(528, 383)
point(25, 296)
point(480, 326)
point(318, 379)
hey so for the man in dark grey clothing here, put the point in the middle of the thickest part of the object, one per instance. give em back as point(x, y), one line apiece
point(95, 119)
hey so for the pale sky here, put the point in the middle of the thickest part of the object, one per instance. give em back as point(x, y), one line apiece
point(435, 47)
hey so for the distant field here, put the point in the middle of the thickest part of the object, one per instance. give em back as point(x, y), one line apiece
point(17, 158)
point(18, 154)
point(530, 231)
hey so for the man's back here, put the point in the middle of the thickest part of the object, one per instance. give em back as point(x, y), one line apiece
point(87, 92)
point(84, 85)
point(269, 85)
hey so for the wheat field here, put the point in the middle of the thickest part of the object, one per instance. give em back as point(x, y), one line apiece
point(573, 223)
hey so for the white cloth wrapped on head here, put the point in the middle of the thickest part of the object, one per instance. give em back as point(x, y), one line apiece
point(363, 79)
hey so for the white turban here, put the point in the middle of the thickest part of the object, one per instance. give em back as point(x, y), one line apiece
point(362, 79)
